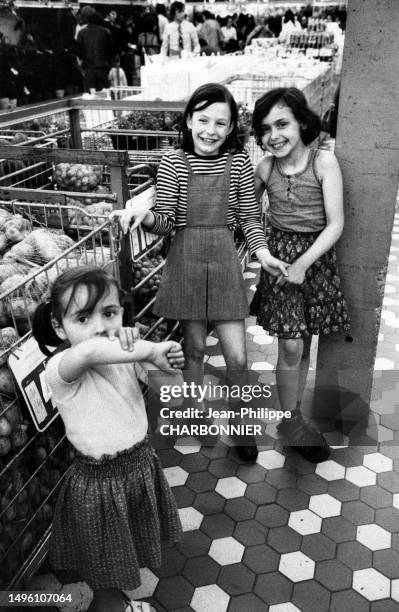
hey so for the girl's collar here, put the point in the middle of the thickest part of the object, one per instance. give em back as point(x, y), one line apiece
point(293, 174)
point(204, 157)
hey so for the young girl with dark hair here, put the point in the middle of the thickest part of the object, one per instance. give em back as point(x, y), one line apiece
point(114, 506)
point(304, 187)
point(204, 191)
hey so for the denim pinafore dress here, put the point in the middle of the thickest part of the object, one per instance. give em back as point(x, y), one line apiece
point(202, 278)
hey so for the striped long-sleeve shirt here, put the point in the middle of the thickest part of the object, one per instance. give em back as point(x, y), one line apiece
point(170, 211)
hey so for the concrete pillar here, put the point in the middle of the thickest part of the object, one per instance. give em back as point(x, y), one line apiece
point(367, 147)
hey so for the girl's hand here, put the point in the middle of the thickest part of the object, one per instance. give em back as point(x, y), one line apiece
point(168, 356)
point(137, 213)
point(271, 264)
point(127, 337)
point(176, 357)
point(296, 274)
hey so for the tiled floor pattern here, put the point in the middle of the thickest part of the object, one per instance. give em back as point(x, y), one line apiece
point(285, 535)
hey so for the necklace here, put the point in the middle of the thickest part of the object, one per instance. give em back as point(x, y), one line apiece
point(292, 174)
point(290, 178)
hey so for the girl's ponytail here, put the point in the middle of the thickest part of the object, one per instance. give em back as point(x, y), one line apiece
point(43, 330)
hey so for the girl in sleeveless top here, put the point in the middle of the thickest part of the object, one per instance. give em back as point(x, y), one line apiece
point(204, 191)
point(304, 188)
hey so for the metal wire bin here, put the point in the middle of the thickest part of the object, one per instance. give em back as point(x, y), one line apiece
point(133, 141)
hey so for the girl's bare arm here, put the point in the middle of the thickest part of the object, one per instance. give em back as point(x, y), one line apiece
point(103, 351)
point(330, 174)
point(271, 264)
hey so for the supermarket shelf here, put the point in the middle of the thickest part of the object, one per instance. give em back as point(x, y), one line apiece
point(45, 4)
point(53, 4)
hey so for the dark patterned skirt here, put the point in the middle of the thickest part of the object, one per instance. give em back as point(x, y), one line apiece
point(110, 518)
point(296, 311)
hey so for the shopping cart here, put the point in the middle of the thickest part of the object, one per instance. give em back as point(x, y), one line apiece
point(109, 136)
point(14, 172)
point(33, 462)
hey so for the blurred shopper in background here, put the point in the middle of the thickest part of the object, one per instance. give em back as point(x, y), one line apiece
point(82, 18)
point(290, 24)
point(110, 22)
point(211, 32)
point(276, 22)
point(260, 31)
point(147, 40)
point(230, 36)
point(160, 10)
point(96, 50)
point(179, 35)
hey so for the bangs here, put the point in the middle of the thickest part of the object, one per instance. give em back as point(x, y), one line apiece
point(204, 96)
point(218, 97)
point(95, 291)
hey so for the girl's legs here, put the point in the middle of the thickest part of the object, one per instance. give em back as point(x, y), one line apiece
point(291, 373)
point(194, 333)
point(303, 369)
point(231, 335)
point(288, 372)
point(194, 349)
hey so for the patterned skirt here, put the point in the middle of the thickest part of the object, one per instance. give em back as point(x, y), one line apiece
point(296, 311)
point(110, 518)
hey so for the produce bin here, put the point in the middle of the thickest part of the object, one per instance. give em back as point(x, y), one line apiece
point(33, 463)
point(248, 90)
point(34, 453)
point(78, 173)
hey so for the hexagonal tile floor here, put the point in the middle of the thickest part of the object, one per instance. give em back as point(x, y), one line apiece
point(282, 535)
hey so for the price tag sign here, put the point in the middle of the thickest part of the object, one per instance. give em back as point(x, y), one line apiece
point(140, 240)
point(27, 364)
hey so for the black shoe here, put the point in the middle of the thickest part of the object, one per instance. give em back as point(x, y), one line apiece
point(245, 445)
point(246, 452)
point(304, 439)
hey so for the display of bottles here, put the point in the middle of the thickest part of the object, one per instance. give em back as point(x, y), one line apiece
point(313, 43)
point(315, 24)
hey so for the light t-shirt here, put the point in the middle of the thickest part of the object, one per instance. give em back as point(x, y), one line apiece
point(229, 33)
point(103, 410)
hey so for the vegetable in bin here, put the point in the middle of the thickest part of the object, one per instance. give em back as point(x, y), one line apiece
point(77, 177)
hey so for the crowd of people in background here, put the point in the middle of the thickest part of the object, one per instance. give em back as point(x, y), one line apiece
point(95, 49)
point(172, 32)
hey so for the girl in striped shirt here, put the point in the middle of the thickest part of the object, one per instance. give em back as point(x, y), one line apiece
point(205, 190)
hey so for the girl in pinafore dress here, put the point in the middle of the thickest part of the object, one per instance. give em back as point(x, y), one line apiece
point(304, 188)
point(204, 191)
point(114, 506)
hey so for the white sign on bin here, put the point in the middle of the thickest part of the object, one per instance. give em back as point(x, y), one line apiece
point(28, 364)
point(140, 240)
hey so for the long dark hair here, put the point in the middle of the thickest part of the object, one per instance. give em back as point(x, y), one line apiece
point(97, 282)
point(204, 96)
point(292, 97)
point(289, 16)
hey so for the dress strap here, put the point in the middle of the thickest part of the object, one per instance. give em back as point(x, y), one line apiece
point(229, 163)
point(315, 154)
point(183, 155)
point(270, 170)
